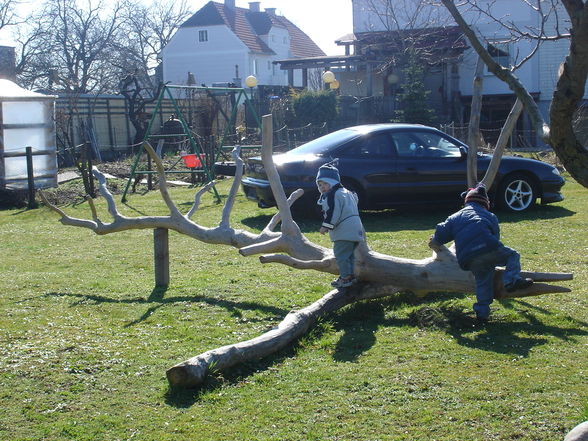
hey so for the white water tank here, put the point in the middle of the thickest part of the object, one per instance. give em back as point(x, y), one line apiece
point(27, 119)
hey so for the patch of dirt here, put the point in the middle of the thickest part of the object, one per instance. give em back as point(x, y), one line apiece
point(73, 192)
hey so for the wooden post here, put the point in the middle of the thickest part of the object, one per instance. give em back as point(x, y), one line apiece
point(30, 177)
point(161, 256)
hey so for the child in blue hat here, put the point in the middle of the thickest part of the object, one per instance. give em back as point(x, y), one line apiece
point(341, 220)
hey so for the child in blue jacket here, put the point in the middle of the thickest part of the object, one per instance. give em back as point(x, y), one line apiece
point(478, 249)
point(341, 220)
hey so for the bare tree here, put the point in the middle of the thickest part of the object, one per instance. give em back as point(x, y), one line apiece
point(147, 30)
point(137, 97)
point(397, 15)
point(70, 48)
point(380, 275)
point(567, 97)
point(8, 16)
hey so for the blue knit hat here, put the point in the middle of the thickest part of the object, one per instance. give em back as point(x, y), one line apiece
point(328, 174)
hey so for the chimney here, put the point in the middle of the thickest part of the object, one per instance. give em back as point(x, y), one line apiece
point(230, 4)
point(271, 11)
point(7, 63)
point(254, 6)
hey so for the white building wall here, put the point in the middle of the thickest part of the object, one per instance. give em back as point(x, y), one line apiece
point(551, 55)
point(393, 15)
point(505, 10)
point(538, 74)
point(212, 61)
point(279, 42)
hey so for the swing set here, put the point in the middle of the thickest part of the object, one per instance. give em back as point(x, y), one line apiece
point(193, 157)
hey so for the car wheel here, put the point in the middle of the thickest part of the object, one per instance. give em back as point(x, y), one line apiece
point(516, 193)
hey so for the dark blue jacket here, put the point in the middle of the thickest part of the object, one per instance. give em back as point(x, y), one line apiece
point(474, 229)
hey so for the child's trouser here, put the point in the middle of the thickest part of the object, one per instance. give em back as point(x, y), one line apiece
point(343, 250)
point(483, 269)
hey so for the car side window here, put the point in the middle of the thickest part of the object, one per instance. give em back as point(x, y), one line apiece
point(378, 145)
point(425, 145)
point(436, 146)
point(406, 144)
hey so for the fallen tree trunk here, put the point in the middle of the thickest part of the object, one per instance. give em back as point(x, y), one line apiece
point(192, 372)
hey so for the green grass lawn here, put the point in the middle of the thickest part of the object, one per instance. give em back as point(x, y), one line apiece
point(86, 339)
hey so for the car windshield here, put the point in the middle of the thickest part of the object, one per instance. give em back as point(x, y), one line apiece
point(324, 144)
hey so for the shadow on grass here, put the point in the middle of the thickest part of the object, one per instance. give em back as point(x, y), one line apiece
point(516, 338)
point(540, 212)
point(157, 300)
point(360, 322)
point(411, 218)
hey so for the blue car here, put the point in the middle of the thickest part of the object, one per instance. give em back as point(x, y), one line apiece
point(390, 165)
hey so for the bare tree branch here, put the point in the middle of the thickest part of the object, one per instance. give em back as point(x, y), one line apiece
point(474, 126)
point(505, 133)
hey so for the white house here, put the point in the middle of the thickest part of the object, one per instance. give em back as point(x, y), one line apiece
point(538, 73)
point(222, 43)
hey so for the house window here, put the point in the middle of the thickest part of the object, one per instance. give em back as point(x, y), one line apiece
point(285, 40)
point(269, 65)
point(202, 36)
point(500, 53)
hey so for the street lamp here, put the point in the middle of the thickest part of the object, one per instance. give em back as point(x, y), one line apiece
point(328, 76)
point(251, 81)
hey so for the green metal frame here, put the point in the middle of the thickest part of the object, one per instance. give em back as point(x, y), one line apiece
point(166, 89)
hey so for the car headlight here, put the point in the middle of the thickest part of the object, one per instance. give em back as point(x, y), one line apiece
point(555, 171)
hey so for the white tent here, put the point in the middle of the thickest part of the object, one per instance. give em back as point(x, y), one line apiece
point(26, 120)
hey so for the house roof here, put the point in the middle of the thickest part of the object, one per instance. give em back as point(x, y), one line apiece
point(300, 43)
point(435, 38)
point(249, 26)
point(12, 91)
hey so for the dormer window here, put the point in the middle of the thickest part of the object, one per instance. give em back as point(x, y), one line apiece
point(202, 36)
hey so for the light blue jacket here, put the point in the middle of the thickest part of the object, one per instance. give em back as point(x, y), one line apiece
point(341, 215)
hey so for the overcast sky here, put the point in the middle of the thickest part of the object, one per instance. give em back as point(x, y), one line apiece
point(323, 21)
